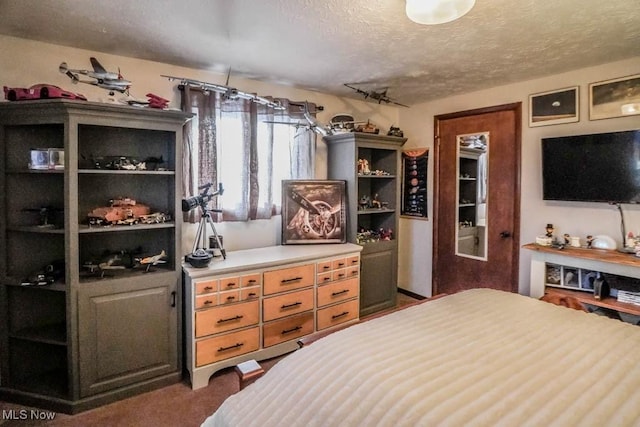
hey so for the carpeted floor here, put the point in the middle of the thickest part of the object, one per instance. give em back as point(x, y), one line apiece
point(175, 405)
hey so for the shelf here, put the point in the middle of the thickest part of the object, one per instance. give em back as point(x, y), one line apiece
point(374, 211)
point(57, 287)
point(35, 229)
point(588, 298)
point(602, 255)
point(55, 334)
point(36, 171)
point(86, 229)
point(124, 172)
point(52, 383)
point(376, 176)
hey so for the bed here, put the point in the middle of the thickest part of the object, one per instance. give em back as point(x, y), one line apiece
point(477, 358)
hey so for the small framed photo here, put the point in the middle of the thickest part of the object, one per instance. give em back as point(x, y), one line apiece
point(554, 107)
point(614, 98)
point(313, 211)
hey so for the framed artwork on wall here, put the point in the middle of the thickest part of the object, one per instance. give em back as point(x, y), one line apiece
point(414, 183)
point(614, 98)
point(554, 107)
point(313, 211)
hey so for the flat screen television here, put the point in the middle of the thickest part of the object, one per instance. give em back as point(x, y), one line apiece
point(603, 167)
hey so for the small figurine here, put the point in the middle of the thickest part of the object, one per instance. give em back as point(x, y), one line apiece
point(363, 167)
point(375, 203)
point(395, 131)
point(364, 203)
point(589, 241)
point(567, 238)
point(549, 230)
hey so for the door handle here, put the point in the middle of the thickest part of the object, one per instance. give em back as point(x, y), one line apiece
point(505, 234)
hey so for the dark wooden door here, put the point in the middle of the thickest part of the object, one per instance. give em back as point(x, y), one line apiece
point(453, 273)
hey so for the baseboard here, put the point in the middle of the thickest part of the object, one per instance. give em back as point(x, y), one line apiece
point(411, 294)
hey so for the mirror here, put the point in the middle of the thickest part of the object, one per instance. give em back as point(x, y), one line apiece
point(472, 153)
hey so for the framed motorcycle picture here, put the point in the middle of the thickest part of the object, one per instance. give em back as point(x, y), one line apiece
point(313, 211)
point(414, 183)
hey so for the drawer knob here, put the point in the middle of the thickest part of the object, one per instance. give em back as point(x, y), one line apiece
point(340, 264)
point(294, 279)
point(231, 347)
point(288, 331)
point(344, 291)
point(208, 302)
point(335, 316)
point(326, 279)
point(251, 281)
point(231, 285)
point(286, 306)
point(230, 319)
point(326, 267)
point(208, 288)
point(341, 275)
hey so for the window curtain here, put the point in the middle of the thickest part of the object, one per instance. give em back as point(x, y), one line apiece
point(234, 142)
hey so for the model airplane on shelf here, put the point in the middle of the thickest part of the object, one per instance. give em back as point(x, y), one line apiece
point(379, 97)
point(152, 260)
point(228, 92)
point(102, 78)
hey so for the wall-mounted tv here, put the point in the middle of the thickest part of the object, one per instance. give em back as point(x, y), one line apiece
point(603, 167)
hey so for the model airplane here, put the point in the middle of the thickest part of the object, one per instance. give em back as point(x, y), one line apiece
point(152, 260)
point(102, 78)
point(310, 124)
point(228, 92)
point(379, 97)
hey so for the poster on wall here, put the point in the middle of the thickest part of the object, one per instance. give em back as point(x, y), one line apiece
point(414, 183)
point(313, 211)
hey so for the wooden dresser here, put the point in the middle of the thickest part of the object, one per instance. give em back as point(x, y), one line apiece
point(257, 303)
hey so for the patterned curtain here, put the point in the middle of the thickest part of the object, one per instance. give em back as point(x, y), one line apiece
point(232, 142)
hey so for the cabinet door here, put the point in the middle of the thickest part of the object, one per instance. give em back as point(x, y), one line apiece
point(378, 285)
point(127, 334)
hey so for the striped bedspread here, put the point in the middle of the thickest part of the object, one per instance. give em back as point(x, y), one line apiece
point(477, 358)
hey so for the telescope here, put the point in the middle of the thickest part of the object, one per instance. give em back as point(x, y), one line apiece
point(200, 256)
point(202, 199)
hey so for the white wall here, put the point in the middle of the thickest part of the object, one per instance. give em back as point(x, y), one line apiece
point(24, 63)
point(574, 218)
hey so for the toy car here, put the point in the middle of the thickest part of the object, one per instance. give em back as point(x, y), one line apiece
point(39, 91)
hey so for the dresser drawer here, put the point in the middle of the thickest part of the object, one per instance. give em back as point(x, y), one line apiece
point(338, 263)
point(339, 274)
point(324, 266)
point(206, 286)
point(250, 293)
point(338, 291)
point(225, 318)
point(337, 314)
point(353, 260)
point(287, 329)
point(287, 304)
point(286, 279)
point(228, 283)
point(324, 278)
point(206, 301)
point(229, 297)
point(225, 346)
point(254, 279)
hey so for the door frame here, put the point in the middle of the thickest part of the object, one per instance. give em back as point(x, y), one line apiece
point(516, 107)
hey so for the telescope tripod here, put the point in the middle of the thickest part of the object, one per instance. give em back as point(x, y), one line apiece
point(200, 241)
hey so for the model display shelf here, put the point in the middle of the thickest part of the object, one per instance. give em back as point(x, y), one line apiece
point(54, 337)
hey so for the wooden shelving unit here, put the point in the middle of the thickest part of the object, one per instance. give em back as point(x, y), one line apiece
point(86, 340)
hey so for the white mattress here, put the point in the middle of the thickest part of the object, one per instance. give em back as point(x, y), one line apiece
point(477, 358)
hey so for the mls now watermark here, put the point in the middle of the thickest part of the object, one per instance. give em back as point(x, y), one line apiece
point(27, 414)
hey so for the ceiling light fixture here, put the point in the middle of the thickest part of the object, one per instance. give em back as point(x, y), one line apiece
point(431, 12)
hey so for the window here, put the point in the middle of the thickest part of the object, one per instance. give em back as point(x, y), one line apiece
point(233, 143)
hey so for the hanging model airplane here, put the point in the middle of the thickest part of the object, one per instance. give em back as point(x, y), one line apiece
point(102, 78)
point(379, 97)
point(311, 123)
point(228, 92)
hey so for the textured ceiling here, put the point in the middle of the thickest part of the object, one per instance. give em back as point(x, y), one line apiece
point(322, 44)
